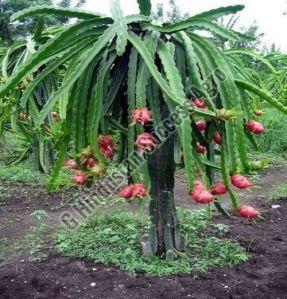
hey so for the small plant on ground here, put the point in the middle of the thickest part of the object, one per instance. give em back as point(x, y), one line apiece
point(114, 239)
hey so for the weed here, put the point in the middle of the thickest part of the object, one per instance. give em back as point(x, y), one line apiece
point(115, 239)
point(39, 214)
point(279, 191)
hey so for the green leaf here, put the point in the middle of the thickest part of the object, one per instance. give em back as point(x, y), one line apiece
point(45, 54)
point(144, 7)
point(184, 128)
point(219, 12)
point(65, 56)
point(131, 91)
point(83, 62)
point(262, 94)
point(253, 55)
point(146, 55)
point(60, 11)
point(96, 107)
point(121, 27)
point(193, 23)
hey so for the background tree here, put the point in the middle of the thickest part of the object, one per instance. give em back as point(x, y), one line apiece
point(168, 12)
point(23, 28)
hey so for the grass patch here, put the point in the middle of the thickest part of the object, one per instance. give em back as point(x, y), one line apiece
point(279, 192)
point(4, 247)
point(22, 174)
point(116, 237)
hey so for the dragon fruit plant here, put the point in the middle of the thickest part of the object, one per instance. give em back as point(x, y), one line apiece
point(174, 96)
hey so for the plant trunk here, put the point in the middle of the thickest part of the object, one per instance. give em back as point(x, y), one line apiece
point(164, 235)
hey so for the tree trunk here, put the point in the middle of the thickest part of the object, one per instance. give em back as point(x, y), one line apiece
point(164, 236)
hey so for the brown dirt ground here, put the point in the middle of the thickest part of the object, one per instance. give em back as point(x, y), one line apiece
point(264, 275)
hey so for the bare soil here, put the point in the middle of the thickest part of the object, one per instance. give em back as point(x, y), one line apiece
point(264, 275)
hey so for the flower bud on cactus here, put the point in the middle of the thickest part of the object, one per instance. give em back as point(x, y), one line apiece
point(87, 153)
point(22, 116)
point(217, 139)
point(72, 164)
point(145, 142)
point(55, 116)
point(80, 178)
point(141, 116)
point(259, 112)
point(201, 125)
point(240, 181)
point(199, 103)
point(29, 78)
point(255, 127)
point(200, 149)
point(225, 114)
point(247, 212)
point(98, 170)
point(219, 189)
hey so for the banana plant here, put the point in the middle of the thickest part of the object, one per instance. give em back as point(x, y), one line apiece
point(166, 78)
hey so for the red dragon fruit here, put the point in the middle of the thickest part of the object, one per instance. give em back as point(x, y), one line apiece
point(139, 191)
point(217, 139)
point(202, 196)
point(80, 178)
point(126, 192)
point(145, 142)
point(199, 186)
point(90, 162)
point(200, 149)
point(240, 181)
point(201, 125)
point(247, 212)
point(136, 190)
point(255, 127)
point(199, 103)
point(219, 189)
point(141, 116)
point(106, 146)
point(200, 193)
point(72, 164)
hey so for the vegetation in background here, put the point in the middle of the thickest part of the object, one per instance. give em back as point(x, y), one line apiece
point(21, 29)
point(116, 237)
point(275, 138)
point(279, 192)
